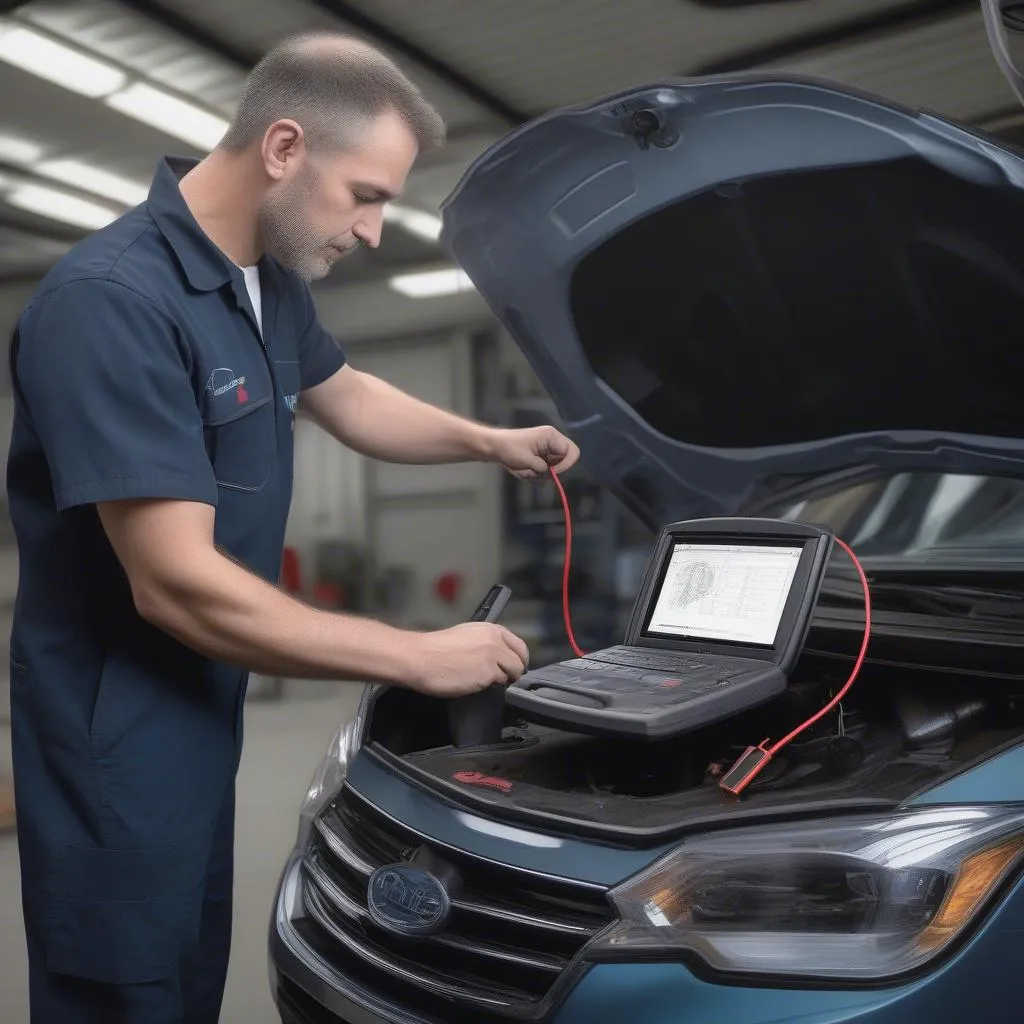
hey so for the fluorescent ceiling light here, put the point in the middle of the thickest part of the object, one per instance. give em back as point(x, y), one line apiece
point(45, 57)
point(417, 222)
point(432, 283)
point(58, 205)
point(92, 179)
point(16, 150)
point(177, 117)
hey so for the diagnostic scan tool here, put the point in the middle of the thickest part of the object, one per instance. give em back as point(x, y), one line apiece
point(717, 627)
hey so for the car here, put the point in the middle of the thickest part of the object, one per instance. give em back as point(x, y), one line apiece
point(749, 295)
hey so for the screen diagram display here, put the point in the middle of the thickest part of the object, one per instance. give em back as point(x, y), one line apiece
point(726, 592)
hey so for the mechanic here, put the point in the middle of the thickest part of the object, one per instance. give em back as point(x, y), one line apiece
point(156, 371)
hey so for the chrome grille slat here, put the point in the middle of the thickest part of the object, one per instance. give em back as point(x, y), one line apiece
point(528, 920)
point(340, 901)
point(389, 966)
point(511, 936)
point(344, 853)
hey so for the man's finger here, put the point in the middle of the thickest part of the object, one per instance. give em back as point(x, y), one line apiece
point(517, 668)
point(555, 447)
point(569, 460)
point(511, 665)
point(518, 645)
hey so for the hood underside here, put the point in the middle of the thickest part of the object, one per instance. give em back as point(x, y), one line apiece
point(727, 284)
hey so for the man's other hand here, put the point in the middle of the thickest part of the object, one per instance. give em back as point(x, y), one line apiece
point(466, 658)
point(529, 453)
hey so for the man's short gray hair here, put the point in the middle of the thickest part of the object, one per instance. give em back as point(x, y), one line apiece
point(334, 86)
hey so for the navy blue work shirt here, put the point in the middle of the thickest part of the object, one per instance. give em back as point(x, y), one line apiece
point(139, 372)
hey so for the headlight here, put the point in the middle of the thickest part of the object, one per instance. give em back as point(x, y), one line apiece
point(331, 771)
point(856, 898)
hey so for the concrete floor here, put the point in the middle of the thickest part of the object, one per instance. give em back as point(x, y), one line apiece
point(284, 741)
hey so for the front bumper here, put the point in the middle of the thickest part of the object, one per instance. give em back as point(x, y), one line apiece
point(980, 983)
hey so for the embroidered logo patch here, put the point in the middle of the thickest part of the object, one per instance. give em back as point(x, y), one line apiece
point(223, 380)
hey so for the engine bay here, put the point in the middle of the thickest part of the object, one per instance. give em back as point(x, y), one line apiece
point(901, 729)
point(934, 693)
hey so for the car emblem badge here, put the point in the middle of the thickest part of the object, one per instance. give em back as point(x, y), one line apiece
point(407, 900)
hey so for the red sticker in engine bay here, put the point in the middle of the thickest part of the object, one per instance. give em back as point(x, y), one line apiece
point(487, 781)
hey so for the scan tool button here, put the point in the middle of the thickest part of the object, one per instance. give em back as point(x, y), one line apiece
point(659, 679)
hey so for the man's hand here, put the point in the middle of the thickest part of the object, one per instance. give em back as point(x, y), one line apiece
point(467, 658)
point(530, 452)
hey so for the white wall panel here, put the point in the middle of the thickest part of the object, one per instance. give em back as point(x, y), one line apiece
point(433, 519)
point(329, 497)
point(435, 373)
point(447, 534)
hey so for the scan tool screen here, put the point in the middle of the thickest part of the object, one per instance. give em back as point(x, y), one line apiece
point(727, 592)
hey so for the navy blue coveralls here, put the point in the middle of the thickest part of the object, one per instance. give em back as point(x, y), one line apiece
point(139, 372)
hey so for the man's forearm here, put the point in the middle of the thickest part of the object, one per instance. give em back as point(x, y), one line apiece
point(225, 612)
point(382, 422)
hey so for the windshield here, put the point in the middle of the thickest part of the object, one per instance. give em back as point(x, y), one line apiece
point(921, 517)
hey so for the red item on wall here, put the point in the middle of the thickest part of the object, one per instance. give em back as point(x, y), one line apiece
point(328, 595)
point(448, 587)
point(291, 571)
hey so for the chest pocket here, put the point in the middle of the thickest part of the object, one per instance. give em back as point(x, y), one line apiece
point(239, 428)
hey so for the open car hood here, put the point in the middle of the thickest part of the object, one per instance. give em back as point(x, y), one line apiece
point(735, 284)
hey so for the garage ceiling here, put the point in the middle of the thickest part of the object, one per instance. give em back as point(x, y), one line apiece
point(164, 76)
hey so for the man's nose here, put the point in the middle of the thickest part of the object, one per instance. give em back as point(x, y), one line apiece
point(369, 228)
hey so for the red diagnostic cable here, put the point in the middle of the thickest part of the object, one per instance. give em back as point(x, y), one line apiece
point(565, 566)
point(753, 759)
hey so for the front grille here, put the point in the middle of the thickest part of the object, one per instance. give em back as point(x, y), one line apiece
point(511, 936)
point(294, 1006)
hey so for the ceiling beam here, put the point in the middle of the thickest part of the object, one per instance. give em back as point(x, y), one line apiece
point(856, 30)
point(35, 226)
point(399, 43)
point(731, 4)
point(163, 14)
point(28, 278)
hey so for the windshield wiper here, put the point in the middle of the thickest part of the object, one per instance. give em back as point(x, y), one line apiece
point(963, 602)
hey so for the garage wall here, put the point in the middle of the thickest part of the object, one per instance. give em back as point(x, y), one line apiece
point(432, 520)
point(13, 298)
point(329, 497)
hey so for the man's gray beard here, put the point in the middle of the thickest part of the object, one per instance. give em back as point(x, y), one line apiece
point(285, 238)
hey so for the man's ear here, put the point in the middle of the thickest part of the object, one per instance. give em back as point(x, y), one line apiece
point(284, 146)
